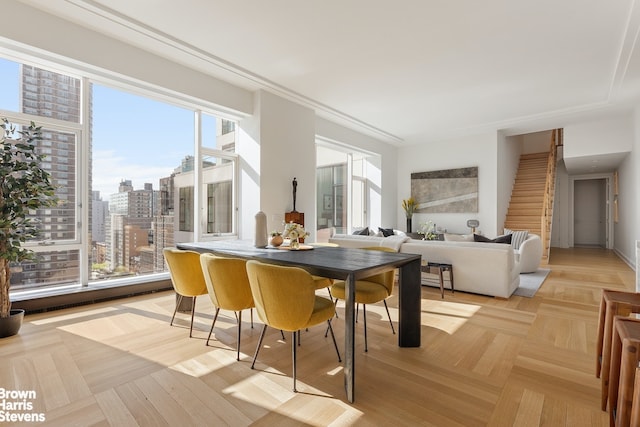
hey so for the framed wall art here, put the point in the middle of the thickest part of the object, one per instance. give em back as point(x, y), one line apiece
point(446, 191)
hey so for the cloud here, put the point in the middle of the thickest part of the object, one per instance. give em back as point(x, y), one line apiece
point(110, 168)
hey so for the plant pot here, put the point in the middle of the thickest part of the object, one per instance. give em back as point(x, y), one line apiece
point(9, 326)
point(276, 240)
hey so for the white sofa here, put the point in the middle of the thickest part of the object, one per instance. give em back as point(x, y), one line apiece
point(482, 268)
point(529, 254)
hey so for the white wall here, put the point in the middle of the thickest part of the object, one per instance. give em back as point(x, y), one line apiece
point(613, 135)
point(477, 150)
point(627, 230)
point(277, 144)
point(508, 154)
point(537, 142)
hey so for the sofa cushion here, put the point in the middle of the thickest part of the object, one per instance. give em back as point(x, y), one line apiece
point(518, 236)
point(394, 242)
point(500, 239)
point(448, 237)
point(386, 232)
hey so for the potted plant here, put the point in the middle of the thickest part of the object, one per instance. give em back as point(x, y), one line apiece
point(276, 238)
point(24, 187)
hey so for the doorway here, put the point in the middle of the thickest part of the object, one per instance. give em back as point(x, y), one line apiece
point(590, 212)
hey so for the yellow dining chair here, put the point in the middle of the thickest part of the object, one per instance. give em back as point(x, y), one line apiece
point(228, 286)
point(285, 299)
point(187, 278)
point(370, 290)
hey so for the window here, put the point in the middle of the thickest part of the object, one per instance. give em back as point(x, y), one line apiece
point(348, 188)
point(140, 185)
point(186, 209)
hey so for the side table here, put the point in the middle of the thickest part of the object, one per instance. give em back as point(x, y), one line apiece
point(613, 303)
point(439, 268)
point(625, 354)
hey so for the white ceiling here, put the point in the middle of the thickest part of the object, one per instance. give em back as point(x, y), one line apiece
point(408, 71)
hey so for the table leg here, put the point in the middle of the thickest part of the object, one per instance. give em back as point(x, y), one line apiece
point(349, 338)
point(601, 320)
point(409, 305)
point(606, 354)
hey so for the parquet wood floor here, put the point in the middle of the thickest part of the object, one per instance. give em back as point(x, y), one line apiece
point(483, 362)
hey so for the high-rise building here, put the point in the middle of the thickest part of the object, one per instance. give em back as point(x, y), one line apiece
point(132, 214)
point(99, 215)
point(47, 94)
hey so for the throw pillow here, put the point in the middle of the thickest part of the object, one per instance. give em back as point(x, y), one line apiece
point(500, 239)
point(361, 232)
point(518, 238)
point(386, 232)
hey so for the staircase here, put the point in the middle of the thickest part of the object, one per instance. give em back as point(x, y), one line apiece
point(531, 205)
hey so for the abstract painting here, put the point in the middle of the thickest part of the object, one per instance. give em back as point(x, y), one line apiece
point(446, 191)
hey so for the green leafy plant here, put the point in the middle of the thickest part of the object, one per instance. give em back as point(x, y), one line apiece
point(24, 187)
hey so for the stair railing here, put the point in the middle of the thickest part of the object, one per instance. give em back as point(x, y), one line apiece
point(549, 187)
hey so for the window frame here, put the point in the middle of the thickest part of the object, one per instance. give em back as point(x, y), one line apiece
point(88, 76)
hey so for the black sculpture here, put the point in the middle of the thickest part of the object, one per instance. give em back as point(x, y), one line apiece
point(295, 188)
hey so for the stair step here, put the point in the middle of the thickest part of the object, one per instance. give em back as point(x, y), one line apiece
point(533, 164)
point(530, 186)
point(541, 154)
point(517, 211)
point(527, 198)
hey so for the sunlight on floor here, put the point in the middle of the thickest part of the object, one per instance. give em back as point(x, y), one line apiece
point(113, 326)
point(446, 316)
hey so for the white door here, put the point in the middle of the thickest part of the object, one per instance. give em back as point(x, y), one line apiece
point(590, 212)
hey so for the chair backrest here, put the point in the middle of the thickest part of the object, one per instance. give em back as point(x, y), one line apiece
point(386, 278)
point(227, 282)
point(186, 273)
point(284, 296)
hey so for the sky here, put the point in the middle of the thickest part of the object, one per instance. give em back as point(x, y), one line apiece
point(134, 138)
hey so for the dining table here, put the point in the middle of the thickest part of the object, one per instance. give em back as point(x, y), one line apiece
point(346, 264)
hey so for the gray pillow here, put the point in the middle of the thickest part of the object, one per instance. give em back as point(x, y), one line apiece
point(362, 232)
point(386, 232)
point(500, 239)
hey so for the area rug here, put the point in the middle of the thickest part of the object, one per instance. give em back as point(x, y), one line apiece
point(531, 282)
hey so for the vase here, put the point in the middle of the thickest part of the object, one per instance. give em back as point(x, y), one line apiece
point(9, 326)
point(408, 225)
point(276, 240)
point(294, 245)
